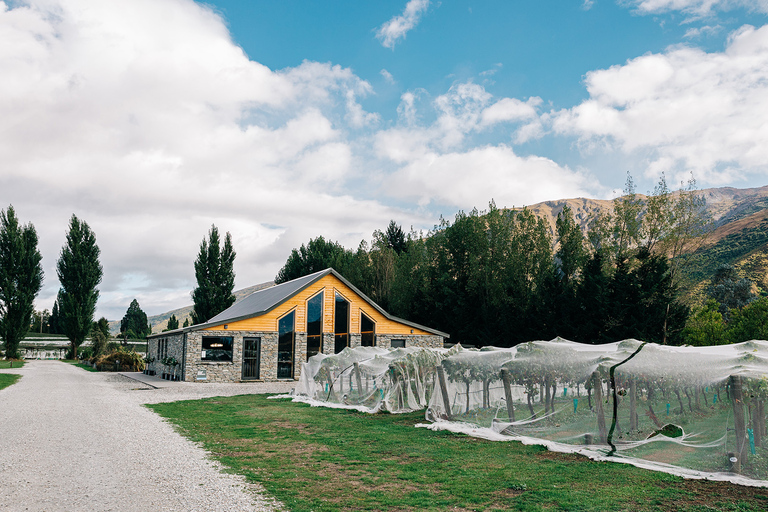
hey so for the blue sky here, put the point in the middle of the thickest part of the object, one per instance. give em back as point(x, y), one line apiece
point(279, 121)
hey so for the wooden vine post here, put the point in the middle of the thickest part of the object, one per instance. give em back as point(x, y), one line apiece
point(506, 378)
point(359, 382)
point(742, 443)
point(598, 388)
point(633, 404)
point(444, 393)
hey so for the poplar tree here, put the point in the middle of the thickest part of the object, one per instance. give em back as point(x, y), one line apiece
point(214, 270)
point(79, 273)
point(21, 277)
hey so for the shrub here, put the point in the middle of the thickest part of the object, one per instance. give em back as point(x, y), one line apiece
point(129, 361)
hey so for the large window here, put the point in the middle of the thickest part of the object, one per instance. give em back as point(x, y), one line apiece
point(217, 348)
point(341, 323)
point(367, 331)
point(315, 325)
point(285, 346)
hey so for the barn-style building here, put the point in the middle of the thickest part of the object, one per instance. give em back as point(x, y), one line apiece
point(267, 335)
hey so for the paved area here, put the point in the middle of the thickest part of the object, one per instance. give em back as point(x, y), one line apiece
point(72, 440)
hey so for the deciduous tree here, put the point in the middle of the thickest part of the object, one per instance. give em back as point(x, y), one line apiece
point(21, 276)
point(79, 273)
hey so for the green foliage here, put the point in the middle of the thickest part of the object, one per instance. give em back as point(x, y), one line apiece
point(318, 254)
point(215, 274)
point(54, 322)
point(706, 326)
point(40, 322)
point(173, 323)
point(102, 324)
point(134, 323)
point(79, 273)
point(730, 291)
point(21, 277)
point(749, 322)
point(99, 342)
point(186, 322)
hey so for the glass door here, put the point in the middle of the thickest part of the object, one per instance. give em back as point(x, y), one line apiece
point(251, 358)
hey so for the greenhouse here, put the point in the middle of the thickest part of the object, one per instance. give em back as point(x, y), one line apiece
point(692, 411)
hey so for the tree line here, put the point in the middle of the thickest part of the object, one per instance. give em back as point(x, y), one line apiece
point(501, 277)
point(79, 272)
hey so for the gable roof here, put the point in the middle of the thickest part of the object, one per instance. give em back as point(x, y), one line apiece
point(267, 299)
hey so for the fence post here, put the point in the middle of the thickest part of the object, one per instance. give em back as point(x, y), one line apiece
point(506, 379)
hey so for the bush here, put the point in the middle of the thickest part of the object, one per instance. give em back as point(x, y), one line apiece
point(85, 353)
point(130, 361)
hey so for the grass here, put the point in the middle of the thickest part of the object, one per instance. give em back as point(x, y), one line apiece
point(77, 363)
point(315, 459)
point(4, 364)
point(6, 379)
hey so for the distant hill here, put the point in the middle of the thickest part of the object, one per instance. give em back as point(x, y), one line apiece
point(160, 322)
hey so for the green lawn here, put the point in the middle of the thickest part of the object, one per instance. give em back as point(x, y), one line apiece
point(6, 379)
point(11, 364)
point(315, 459)
point(77, 363)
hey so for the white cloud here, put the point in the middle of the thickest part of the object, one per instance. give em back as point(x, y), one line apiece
point(697, 7)
point(474, 177)
point(147, 121)
point(396, 28)
point(706, 30)
point(684, 110)
point(587, 4)
point(387, 76)
point(436, 164)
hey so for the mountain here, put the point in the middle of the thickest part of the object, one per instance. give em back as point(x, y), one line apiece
point(160, 322)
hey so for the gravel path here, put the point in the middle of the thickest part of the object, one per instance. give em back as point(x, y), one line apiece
point(73, 440)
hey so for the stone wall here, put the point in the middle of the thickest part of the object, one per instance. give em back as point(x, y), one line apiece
point(411, 340)
point(193, 369)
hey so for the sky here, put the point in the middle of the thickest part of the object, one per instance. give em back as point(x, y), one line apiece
point(283, 120)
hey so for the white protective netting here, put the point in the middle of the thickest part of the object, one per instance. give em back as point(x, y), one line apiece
point(692, 411)
point(371, 379)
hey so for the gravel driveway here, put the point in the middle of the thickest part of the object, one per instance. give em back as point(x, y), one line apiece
point(73, 440)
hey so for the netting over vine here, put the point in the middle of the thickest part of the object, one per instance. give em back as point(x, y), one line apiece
point(687, 410)
point(372, 379)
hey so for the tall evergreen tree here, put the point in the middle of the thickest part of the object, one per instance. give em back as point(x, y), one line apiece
point(55, 320)
point(79, 273)
point(173, 323)
point(21, 277)
point(215, 273)
point(102, 324)
point(134, 323)
point(395, 237)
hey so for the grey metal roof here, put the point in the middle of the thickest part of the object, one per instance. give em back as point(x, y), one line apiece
point(262, 301)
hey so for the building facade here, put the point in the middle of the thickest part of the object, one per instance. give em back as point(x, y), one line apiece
point(267, 335)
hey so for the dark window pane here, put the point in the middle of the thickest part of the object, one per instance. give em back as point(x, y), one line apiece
point(285, 346)
point(341, 323)
point(315, 325)
point(367, 331)
point(398, 343)
point(216, 348)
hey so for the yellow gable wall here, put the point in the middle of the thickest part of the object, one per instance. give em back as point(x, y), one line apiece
point(329, 284)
